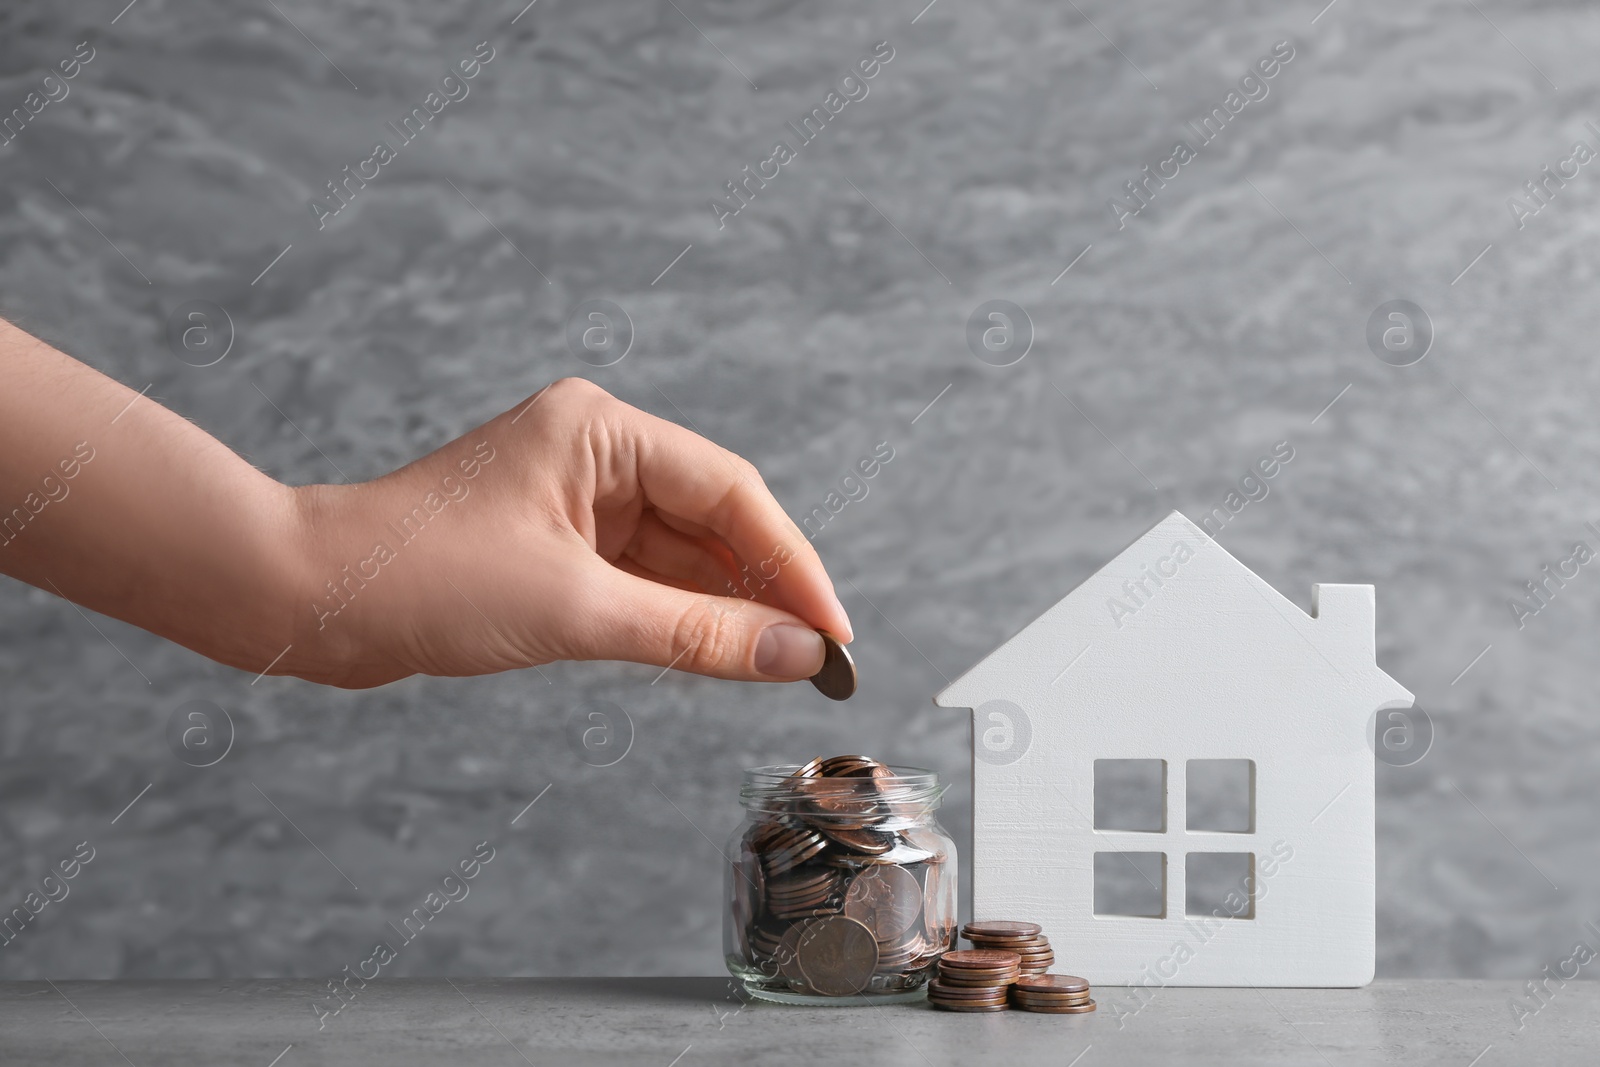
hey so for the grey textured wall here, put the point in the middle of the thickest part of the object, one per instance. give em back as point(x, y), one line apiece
point(821, 320)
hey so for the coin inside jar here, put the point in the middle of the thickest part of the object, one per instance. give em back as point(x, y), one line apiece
point(837, 678)
point(886, 899)
point(788, 954)
point(837, 955)
point(849, 766)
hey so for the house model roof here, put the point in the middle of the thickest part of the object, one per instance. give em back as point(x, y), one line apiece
point(1177, 616)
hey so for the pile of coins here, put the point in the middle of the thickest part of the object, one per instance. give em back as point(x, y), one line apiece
point(975, 980)
point(1025, 939)
point(1006, 970)
point(1053, 994)
point(840, 886)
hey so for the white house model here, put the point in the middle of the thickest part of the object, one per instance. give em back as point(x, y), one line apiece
point(1170, 677)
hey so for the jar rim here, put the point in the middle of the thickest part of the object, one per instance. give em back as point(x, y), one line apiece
point(779, 775)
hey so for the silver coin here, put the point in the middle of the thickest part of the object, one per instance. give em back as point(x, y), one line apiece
point(837, 678)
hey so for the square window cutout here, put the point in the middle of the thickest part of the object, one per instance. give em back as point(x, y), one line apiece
point(1130, 884)
point(1220, 884)
point(1130, 794)
point(1221, 795)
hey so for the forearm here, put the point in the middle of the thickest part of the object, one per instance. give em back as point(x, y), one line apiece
point(120, 505)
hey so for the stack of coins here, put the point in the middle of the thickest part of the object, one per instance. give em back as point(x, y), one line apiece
point(839, 889)
point(1053, 994)
point(1025, 939)
point(974, 980)
point(1007, 969)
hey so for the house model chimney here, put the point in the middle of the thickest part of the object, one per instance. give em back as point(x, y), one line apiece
point(1351, 610)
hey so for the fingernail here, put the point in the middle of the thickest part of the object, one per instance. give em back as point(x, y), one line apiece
point(788, 651)
point(845, 615)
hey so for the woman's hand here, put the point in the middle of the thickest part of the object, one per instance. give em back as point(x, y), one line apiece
point(571, 527)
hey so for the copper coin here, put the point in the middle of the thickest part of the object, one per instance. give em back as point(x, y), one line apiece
point(855, 861)
point(883, 777)
point(887, 899)
point(1050, 999)
point(846, 806)
point(827, 905)
point(846, 811)
point(1053, 983)
point(802, 883)
point(975, 972)
point(763, 835)
point(898, 797)
point(1030, 994)
point(1001, 929)
point(972, 974)
point(986, 982)
point(942, 989)
point(812, 768)
point(1061, 1009)
point(869, 841)
point(789, 857)
point(948, 1006)
point(776, 836)
point(980, 957)
point(837, 955)
point(846, 766)
point(787, 954)
point(795, 900)
point(899, 855)
point(904, 957)
point(799, 901)
point(1014, 944)
point(763, 947)
point(940, 986)
point(966, 1002)
point(837, 678)
point(956, 977)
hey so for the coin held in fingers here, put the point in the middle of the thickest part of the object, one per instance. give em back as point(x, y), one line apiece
point(837, 678)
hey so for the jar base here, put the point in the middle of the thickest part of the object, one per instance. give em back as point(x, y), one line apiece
point(812, 1000)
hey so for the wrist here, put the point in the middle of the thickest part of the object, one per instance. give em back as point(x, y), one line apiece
point(337, 626)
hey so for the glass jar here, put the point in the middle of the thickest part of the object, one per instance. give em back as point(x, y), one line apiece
point(841, 885)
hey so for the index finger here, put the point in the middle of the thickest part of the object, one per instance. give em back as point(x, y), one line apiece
point(687, 476)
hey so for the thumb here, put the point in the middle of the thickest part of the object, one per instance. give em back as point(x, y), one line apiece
point(626, 617)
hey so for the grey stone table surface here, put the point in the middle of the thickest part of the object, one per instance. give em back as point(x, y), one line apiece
point(691, 1022)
